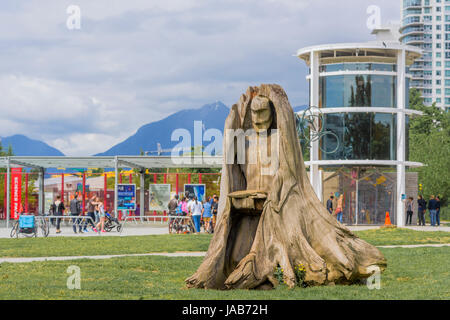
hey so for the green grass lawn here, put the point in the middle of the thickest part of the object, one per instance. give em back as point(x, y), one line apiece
point(419, 273)
point(76, 246)
point(79, 246)
point(399, 236)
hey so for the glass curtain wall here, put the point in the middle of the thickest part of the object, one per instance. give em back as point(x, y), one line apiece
point(373, 191)
point(360, 136)
point(358, 91)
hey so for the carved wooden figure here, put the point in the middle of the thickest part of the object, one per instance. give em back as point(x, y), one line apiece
point(269, 215)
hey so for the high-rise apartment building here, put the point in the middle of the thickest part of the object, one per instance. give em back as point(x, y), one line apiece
point(426, 24)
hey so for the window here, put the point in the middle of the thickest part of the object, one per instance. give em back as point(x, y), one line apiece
point(358, 66)
point(358, 91)
point(438, 72)
point(438, 82)
point(438, 64)
point(438, 91)
point(438, 54)
point(438, 100)
point(360, 135)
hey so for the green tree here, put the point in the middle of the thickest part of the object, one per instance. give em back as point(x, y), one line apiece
point(429, 140)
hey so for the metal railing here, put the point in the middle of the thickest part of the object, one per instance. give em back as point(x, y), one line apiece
point(148, 219)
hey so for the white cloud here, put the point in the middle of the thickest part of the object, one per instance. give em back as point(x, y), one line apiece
point(134, 62)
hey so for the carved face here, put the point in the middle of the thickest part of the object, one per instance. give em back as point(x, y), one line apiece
point(261, 113)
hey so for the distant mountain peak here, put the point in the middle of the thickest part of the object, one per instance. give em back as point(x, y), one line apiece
point(147, 137)
point(24, 146)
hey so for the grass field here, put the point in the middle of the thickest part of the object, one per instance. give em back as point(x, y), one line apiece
point(76, 246)
point(419, 273)
point(412, 273)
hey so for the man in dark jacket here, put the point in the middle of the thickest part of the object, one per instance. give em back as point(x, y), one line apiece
point(422, 208)
point(330, 204)
point(438, 211)
point(432, 207)
point(75, 210)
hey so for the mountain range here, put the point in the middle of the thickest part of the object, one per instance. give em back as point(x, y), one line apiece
point(146, 137)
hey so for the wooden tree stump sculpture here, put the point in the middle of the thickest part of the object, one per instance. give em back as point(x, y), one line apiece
point(269, 215)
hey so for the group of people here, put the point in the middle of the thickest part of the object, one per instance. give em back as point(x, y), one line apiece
point(95, 212)
point(205, 211)
point(339, 207)
point(433, 206)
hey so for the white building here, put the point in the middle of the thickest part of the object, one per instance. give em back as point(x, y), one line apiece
point(426, 25)
point(362, 90)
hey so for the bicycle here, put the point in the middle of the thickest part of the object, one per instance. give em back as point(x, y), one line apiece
point(174, 225)
point(15, 230)
point(27, 231)
point(44, 226)
point(178, 225)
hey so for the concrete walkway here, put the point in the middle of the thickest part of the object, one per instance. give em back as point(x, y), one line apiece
point(132, 229)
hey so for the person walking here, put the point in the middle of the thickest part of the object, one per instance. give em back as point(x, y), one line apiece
point(330, 204)
point(432, 206)
point(59, 211)
point(90, 213)
point(422, 208)
point(173, 205)
point(438, 211)
point(214, 209)
point(196, 210)
point(206, 215)
point(409, 210)
point(340, 208)
point(75, 211)
point(137, 213)
point(102, 218)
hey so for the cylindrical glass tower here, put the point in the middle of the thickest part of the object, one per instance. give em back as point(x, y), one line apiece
point(362, 92)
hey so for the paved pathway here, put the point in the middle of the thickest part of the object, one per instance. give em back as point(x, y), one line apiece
point(132, 229)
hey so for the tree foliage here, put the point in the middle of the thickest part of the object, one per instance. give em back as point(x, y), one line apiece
point(429, 140)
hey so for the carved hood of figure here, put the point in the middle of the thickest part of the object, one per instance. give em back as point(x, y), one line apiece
point(284, 224)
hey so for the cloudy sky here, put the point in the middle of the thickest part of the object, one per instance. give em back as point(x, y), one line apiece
point(137, 61)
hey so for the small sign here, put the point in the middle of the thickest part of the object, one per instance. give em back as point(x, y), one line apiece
point(403, 196)
point(159, 197)
point(198, 190)
point(126, 197)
